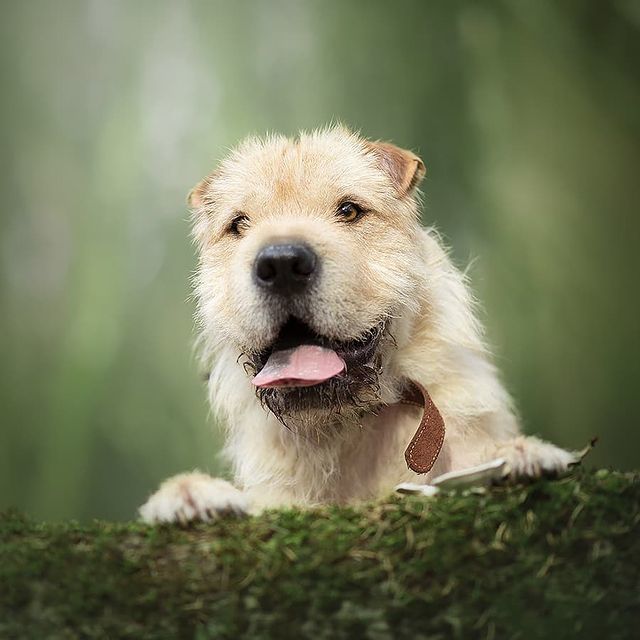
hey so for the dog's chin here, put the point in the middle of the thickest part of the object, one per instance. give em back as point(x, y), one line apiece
point(341, 397)
point(352, 392)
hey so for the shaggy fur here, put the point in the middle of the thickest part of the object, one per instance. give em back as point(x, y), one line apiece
point(384, 272)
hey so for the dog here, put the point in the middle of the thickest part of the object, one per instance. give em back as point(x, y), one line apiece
point(333, 325)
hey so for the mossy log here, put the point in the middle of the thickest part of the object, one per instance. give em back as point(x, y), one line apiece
point(552, 559)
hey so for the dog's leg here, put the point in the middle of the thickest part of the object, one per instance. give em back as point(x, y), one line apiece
point(530, 457)
point(194, 496)
point(495, 436)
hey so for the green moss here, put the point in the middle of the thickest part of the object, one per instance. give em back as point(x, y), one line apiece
point(553, 559)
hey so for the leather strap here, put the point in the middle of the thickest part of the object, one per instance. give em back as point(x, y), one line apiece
point(425, 446)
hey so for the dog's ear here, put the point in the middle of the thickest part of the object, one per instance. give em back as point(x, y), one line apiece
point(197, 197)
point(404, 167)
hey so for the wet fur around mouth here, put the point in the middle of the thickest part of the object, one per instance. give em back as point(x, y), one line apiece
point(356, 389)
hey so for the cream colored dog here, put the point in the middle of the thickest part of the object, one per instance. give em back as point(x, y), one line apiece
point(320, 297)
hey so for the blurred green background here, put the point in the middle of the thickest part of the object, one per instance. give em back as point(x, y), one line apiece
point(527, 115)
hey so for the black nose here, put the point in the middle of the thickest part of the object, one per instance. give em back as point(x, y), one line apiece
point(285, 268)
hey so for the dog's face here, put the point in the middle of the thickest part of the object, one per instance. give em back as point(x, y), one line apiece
point(306, 254)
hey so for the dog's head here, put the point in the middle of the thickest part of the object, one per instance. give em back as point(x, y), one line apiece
point(308, 251)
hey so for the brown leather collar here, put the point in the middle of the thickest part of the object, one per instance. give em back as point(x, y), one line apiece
point(425, 446)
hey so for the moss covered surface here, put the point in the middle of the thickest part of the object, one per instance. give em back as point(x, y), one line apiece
point(553, 559)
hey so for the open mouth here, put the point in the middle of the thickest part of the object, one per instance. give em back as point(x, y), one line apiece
point(299, 357)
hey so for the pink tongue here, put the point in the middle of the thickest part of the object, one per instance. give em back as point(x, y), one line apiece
point(301, 366)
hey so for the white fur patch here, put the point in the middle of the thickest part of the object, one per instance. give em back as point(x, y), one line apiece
point(529, 457)
point(194, 496)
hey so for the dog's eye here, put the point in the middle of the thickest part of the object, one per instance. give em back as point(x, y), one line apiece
point(349, 211)
point(238, 224)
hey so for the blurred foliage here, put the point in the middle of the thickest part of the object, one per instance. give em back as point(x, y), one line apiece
point(526, 114)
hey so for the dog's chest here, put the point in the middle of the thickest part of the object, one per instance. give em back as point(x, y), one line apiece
point(369, 462)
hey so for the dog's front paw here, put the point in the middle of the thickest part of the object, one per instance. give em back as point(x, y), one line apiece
point(194, 496)
point(529, 457)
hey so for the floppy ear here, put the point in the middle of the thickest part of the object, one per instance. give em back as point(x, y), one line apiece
point(197, 197)
point(404, 167)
